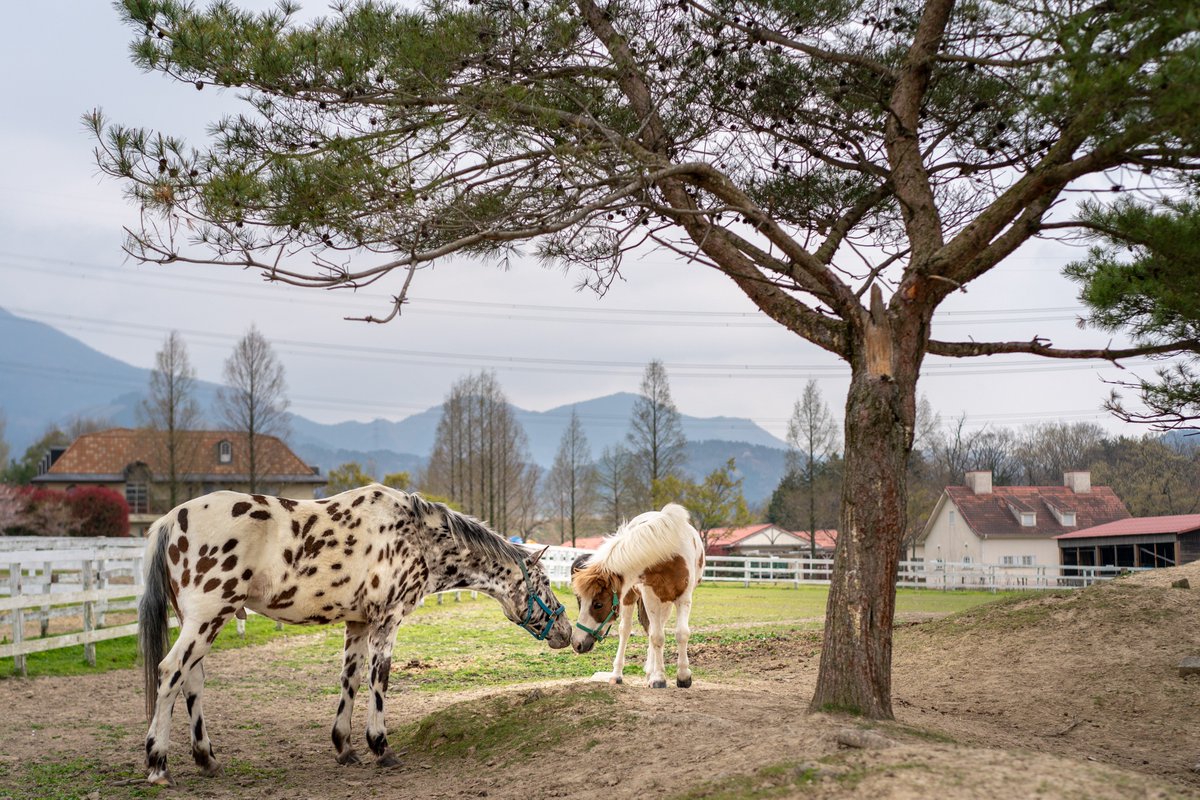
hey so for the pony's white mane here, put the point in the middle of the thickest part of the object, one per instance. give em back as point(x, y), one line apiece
point(646, 540)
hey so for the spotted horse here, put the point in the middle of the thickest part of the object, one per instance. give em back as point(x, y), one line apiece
point(654, 560)
point(364, 557)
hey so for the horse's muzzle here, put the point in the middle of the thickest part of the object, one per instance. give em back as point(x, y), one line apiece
point(583, 645)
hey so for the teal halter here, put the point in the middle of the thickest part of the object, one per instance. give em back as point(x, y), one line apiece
point(553, 616)
point(600, 632)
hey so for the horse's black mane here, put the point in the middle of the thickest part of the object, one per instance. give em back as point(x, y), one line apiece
point(470, 532)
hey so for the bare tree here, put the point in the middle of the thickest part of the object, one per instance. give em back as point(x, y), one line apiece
point(812, 437)
point(480, 457)
point(571, 483)
point(1048, 450)
point(254, 401)
point(615, 484)
point(170, 412)
point(656, 440)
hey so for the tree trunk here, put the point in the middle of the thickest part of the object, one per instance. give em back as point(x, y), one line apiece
point(856, 657)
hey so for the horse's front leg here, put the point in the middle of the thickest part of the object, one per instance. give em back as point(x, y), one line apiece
point(657, 612)
point(626, 626)
point(683, 610)
point(380, 640)
point(352, 669)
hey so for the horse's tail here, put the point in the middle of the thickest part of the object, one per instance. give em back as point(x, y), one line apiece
point(152, 613)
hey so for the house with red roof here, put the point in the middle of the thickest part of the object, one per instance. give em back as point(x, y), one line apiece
point(133, 462)
point(1013, 525)
point(764, 539)
point(1165, 541)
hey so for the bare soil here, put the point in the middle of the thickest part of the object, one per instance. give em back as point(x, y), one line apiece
point(1072, 695)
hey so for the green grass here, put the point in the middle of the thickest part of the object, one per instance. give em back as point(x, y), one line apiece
point(75, 779)
point(460, 645)
point(122, 653)
point(774, 780)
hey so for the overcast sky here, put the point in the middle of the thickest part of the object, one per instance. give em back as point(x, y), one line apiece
point(61, 262)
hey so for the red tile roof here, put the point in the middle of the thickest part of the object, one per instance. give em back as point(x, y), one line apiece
point(108, 453)
point(586, 542)
point(728, 537)
point(990, 515)
point(826, 538)
point(1134, 526)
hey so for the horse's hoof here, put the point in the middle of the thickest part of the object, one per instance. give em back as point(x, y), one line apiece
point(211, 770)
point(388, 760)
point(616, 680)
point(161, 779)
point(349, 757)
point(658, 684)
point(684, 683)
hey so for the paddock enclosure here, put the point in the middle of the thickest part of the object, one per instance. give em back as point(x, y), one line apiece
point(1046, 694)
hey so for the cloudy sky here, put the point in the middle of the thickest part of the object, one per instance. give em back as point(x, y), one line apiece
point(61, 262)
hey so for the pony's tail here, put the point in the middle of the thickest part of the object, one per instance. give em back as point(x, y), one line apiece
point(152, 614)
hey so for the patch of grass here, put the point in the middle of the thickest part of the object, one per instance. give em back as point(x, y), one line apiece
point(774, 780)
point(122, 653)
point(240, 768)
point(511, 728)
point(73, 779)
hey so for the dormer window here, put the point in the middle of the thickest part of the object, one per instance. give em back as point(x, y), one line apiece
point(1028, 519)
point(224, 452)
point(1068, 518)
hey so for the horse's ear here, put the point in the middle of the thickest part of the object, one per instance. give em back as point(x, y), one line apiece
point(538, 557)
point(580, 563)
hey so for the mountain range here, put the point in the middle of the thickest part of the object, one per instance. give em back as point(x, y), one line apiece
point(48, 377)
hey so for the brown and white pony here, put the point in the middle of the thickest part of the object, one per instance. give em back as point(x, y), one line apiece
point(365, 557)
point(654, 560)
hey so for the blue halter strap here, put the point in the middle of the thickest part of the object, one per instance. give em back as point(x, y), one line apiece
point(552, 616)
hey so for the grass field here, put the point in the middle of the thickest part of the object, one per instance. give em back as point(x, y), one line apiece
point(462, 644)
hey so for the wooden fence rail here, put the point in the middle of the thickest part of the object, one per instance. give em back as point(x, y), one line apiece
point(90, 581)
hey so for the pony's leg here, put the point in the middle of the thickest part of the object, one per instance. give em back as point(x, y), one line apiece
point(380, 640)
point(352, 670)
point(657, 611)
point(626, 625)
point(202, 749)
point(174, 672)
point(683, 609)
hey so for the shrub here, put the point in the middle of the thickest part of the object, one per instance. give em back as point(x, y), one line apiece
point(99, 511)
point(47, 513)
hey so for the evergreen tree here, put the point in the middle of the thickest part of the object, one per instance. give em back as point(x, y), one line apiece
point(848, 167)
point(656, 441)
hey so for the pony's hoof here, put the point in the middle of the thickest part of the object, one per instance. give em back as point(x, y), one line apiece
point(616, 680)
point(211, 770)
point(349, 757)
point(388, 760)
point(684, 683)
point(658, 684)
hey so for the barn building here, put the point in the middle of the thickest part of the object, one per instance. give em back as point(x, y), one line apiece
point(1135, 542)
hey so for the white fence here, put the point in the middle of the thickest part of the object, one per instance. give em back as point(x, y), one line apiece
point(43, 579)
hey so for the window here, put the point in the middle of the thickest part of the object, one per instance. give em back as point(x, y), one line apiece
point(224, 452)
point(1008, 561)
point(952, 515)
point(1028, 519)
point(137, 494)
point(1068, 518)
point(1027, 561)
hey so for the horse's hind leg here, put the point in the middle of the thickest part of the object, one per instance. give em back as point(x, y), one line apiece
point(352, 670)
point(202, 749)
point(683, 610)
point(380, 641)
point(174, 672)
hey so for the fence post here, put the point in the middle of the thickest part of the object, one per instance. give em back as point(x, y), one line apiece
point(746, 573)
point(101, 605)
point(47, 587)
point(18, 618)
point(89, 612)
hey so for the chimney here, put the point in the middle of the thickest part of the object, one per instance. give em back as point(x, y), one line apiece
point(980, 481)
point(1078, 482)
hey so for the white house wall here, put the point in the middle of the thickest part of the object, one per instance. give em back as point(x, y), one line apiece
point(771, 537)
point(949, 537)
point(1044, 551)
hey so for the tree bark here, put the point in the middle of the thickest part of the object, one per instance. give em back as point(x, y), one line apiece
point(856, 657)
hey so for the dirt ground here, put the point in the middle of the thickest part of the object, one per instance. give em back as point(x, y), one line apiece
point(1072, 695)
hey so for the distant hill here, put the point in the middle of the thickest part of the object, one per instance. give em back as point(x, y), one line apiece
point(48, 377)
